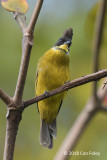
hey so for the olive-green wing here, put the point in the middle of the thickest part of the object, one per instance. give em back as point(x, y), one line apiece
point(59, 107)
point(36, 79)
point(36, 82)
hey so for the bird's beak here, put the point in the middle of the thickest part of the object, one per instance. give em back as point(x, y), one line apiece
point(65, 46)
point(68, 42)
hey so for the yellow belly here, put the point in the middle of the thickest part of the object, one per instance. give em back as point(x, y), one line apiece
point(48, 108)
point(51, 77)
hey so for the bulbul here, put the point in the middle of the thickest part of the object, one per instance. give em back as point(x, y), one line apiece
point(52, 72)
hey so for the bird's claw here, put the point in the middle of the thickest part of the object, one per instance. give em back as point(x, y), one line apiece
point(46, 93)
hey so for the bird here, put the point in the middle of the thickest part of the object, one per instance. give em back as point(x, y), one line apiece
point(52, 72)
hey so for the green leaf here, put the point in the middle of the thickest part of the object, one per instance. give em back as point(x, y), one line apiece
point(19, 6)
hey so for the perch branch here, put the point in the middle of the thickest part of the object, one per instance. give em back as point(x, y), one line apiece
point(4, 96)
point(68, 85)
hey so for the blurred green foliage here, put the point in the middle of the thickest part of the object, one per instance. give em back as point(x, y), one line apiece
point(48, 30)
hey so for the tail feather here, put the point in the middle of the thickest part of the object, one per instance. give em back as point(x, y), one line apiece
point(51, 144)
point(53, 128)
point(47, 132)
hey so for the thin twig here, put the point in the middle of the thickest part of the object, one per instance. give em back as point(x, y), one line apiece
point(102, 92)
point(21, 20)
point(102, 95)
point(68, 85)
point(35, 14)
point(5, 97)
point(98, 39)
point(104, 85)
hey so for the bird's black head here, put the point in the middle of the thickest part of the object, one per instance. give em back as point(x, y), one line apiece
point(67, 36)
point(60, 41)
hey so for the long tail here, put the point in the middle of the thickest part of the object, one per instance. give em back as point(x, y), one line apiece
point(47, 132)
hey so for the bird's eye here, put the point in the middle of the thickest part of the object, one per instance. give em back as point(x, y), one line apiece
point(60, 40)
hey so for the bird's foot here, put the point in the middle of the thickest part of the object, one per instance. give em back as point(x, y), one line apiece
point(66, 82)
point(46, 93)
